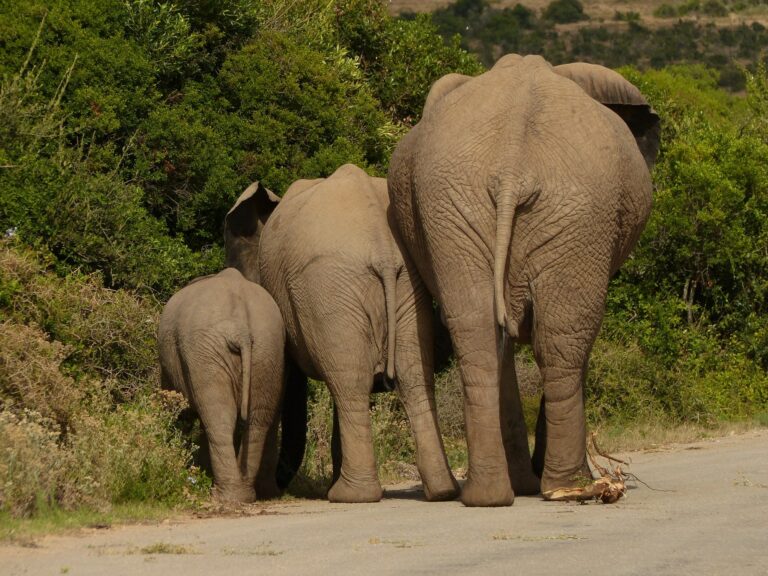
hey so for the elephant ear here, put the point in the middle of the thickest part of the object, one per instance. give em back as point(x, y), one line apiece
point(443, 86)
point(614, 91)
point(242, 228)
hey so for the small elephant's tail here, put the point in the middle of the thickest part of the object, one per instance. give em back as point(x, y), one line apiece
point(389, 279)
point(293, 437)
point(245, 392)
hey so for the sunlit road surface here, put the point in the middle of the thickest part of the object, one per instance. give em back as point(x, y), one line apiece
point(707, 514)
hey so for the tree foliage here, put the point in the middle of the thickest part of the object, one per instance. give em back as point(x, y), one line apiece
point(128, 128)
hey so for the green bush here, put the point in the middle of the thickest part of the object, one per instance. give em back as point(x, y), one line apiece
point(564, 11)
point(30, 379)
point(81, 421)
point(401, 58)
point(54, 195)
point(99, 333)
point(714, 8)
point(629, 16)
point(134, 454)
point(665, 11)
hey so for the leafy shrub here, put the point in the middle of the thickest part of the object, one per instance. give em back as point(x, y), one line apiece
point(49, 194)
point(564, 11)
point(665, 11)
point(30, 379)
point(63, 440)
point(131, 454)
point(629, 16)
point(31, 463)
point(401, 58)
point(134, 453)
point(714, 8)
point(105, 334)
point(107, 456)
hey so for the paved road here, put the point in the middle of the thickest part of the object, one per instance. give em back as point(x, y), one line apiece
point(713, 520)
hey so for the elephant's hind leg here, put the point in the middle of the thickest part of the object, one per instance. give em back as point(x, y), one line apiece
point(476, 346)
point(257, 457)
point(568, 310)
point(514, 432)
point(216, 406)
point(358, 480)
point(414, 371)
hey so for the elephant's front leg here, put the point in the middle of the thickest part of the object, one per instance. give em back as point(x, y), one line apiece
point(358, 480)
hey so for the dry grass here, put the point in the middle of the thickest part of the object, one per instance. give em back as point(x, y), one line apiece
point(450, 397)
point(656, 435)
point(530, 538)
point(166, 548)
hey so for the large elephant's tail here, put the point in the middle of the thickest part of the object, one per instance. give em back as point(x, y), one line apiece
point(506, 203)
point(294, 426)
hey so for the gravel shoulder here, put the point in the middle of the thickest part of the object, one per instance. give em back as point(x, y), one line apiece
point(706, 514)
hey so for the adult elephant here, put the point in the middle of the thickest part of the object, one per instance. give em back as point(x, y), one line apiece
point(518, 194)
point(355, 312)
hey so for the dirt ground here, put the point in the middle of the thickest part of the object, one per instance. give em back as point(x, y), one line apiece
point(706, 514)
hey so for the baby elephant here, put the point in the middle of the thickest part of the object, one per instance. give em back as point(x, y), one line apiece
point(221, 341)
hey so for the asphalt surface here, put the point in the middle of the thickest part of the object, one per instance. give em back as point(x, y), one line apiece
point(706, 515)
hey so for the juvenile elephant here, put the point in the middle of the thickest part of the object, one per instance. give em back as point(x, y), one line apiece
point(518, 195)
point(354, 309)
point(221, 341)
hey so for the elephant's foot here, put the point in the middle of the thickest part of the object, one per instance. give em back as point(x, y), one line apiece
point(344, 490)
point(526, 484)
point(494, 491)
point(552, 484)
point(234, 493)
point(446, 488)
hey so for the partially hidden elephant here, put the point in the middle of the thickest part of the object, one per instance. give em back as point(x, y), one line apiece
point(518, 194)
point(221, 341)
point(355, 312)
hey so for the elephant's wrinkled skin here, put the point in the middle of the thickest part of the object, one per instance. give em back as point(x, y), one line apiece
point(518, 195)
point(354, 308)
point(221, 341)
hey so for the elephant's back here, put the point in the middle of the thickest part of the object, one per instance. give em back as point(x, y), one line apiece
point(319, 256)
point(521, 122)
point(343, 217)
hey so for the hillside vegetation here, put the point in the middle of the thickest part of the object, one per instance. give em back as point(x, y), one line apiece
point(725, 36)
point(128, 128)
